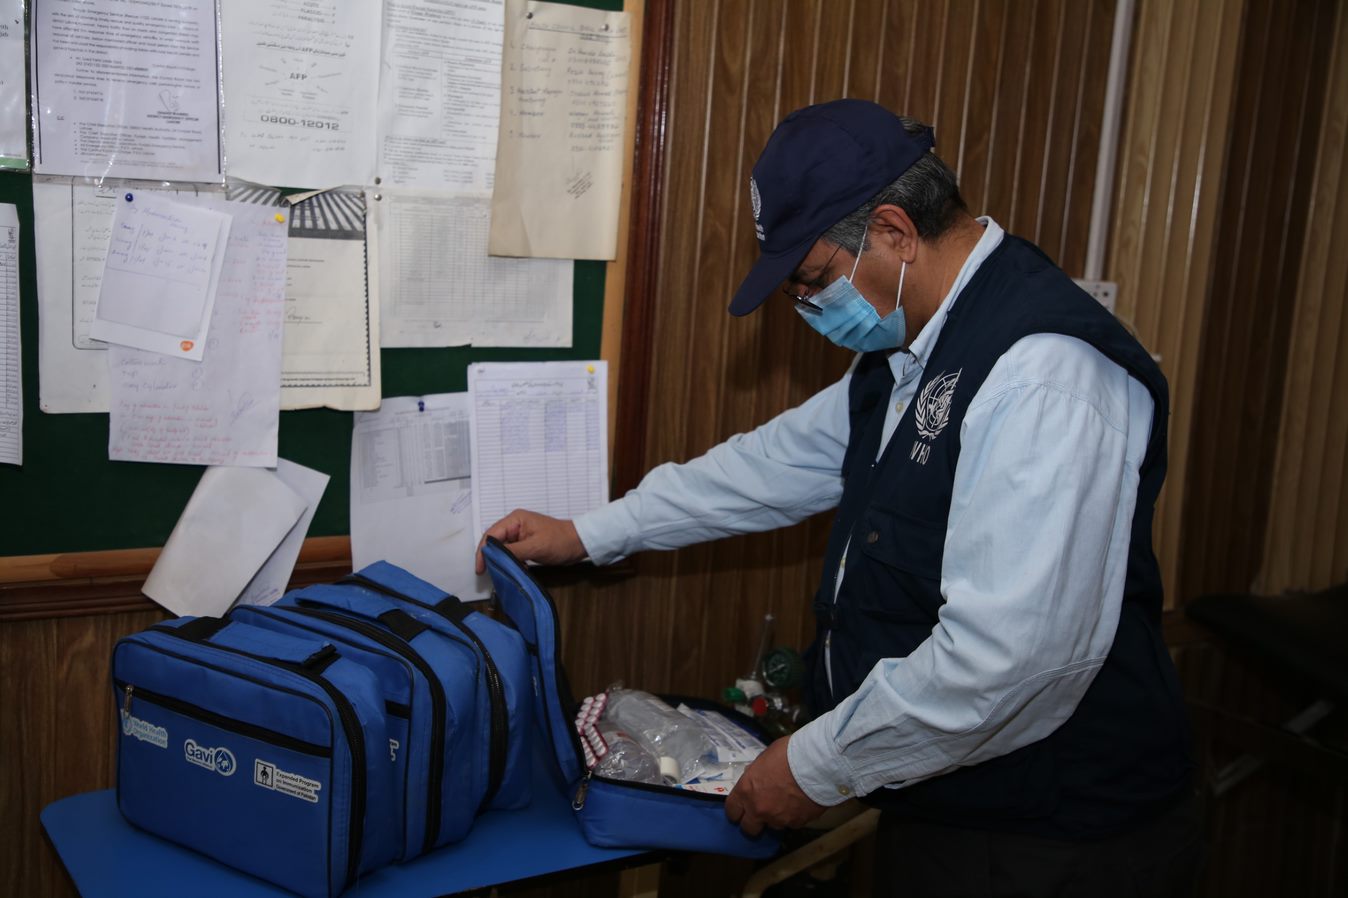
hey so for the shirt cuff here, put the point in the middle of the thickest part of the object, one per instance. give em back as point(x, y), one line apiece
point(818, 767)
point(605, 532)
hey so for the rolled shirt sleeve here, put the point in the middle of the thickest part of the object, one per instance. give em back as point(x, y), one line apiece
point(1033, 574)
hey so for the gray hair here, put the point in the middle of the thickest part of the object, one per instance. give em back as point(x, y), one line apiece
point(928, 191)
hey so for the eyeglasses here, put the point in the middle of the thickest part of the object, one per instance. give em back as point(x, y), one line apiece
point(803, 299)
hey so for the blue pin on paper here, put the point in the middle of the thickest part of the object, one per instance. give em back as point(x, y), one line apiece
point(421, 405)
point(129, 197)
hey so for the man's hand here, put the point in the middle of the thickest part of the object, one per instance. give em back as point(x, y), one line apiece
point(767, 795)
point(535, 537)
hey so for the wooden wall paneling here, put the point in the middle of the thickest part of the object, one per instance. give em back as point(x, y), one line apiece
point(978, 133)
point(1007, 117)
point(722, 198)
point(1033, 157)
point(894, 80)
point(1261, 233)
point(923, 81)
point(1070, 253)
point(615, 272)
point(952, 91)
point(869, 20)
point(1306, 541)
point(1073, 33)
point(1171, 156)
point(649, 139)
point(56, 733)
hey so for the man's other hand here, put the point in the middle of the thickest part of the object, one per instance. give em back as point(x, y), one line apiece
point(535, 537)
point(767, 795)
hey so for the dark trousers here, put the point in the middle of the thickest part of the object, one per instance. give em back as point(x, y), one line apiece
point(922, 860)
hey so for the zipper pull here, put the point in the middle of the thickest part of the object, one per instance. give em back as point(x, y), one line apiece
point(126, 701)
point(579, 801)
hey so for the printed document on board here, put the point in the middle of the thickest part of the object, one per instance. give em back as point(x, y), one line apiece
point(559, 152)
point(11, 368)
point(439, 94)
point(331, 334)
point(300, 86)
point(539, 438)
point(411, 491)
point(126, 90)
point(331, 355)
point(440, 288)
point(13, 95)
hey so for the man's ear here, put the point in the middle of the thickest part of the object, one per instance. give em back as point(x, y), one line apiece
point(890, 224)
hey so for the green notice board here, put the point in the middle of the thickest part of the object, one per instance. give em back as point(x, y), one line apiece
point(68, 497)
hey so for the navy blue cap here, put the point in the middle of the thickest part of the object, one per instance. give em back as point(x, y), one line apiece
point(818, 167)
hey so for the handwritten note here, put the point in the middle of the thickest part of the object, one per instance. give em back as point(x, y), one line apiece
point(160, 275)
point(559, 153)
point(225, 409)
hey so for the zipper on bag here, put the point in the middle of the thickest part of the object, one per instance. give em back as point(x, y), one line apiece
point(355, 738)
point(500, 723)
point(436, 774)
point(220, 721)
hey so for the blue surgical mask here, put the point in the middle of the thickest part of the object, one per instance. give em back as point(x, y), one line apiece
point(848, 320)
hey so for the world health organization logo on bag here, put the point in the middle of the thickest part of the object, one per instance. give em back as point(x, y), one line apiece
point(220, 760)
point(932, 413)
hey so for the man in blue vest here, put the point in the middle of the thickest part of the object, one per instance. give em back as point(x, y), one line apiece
point(989, 667)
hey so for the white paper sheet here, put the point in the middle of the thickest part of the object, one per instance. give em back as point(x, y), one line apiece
point(439, 93)
point(234, 521)
point(539, 438)
point(13, 88)
point(440, 288)
point(411, 495)
point(73, 223)
point(11, 369)
point(332, 297)
point(223, 410)
point(332, 301)
point(301, 79)
point(269, 584)
point(559, 153)
point(126, 89)
point(160, 275)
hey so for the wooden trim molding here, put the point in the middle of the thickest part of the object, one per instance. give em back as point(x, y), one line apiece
point(643, 254)
point(71, 584)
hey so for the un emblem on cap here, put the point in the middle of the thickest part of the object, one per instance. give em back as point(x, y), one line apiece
point(756, 202)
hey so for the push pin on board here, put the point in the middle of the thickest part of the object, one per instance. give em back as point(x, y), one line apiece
point(129, 197)
point(421, 405)
point(589, 369)
point(280, 219)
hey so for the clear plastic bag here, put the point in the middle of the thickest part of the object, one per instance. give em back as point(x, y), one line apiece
point(664, 731)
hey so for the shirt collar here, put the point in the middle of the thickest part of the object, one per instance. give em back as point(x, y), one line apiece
point(921, 347)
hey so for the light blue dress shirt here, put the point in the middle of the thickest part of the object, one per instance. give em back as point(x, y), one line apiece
point(1035, 553)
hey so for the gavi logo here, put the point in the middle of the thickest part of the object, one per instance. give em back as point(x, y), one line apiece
point(221, 760)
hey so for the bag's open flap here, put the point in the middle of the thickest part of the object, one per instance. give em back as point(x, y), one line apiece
point(535, 616)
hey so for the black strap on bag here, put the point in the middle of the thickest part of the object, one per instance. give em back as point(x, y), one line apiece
point(200, 629)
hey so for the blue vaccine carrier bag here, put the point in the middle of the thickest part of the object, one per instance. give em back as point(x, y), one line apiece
point(611, 813)
point(264, 750)
point(429, 685)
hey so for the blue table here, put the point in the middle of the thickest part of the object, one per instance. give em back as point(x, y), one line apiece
point(106, 856)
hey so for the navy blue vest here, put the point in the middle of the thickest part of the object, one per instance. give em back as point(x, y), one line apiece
point(1123, 756)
